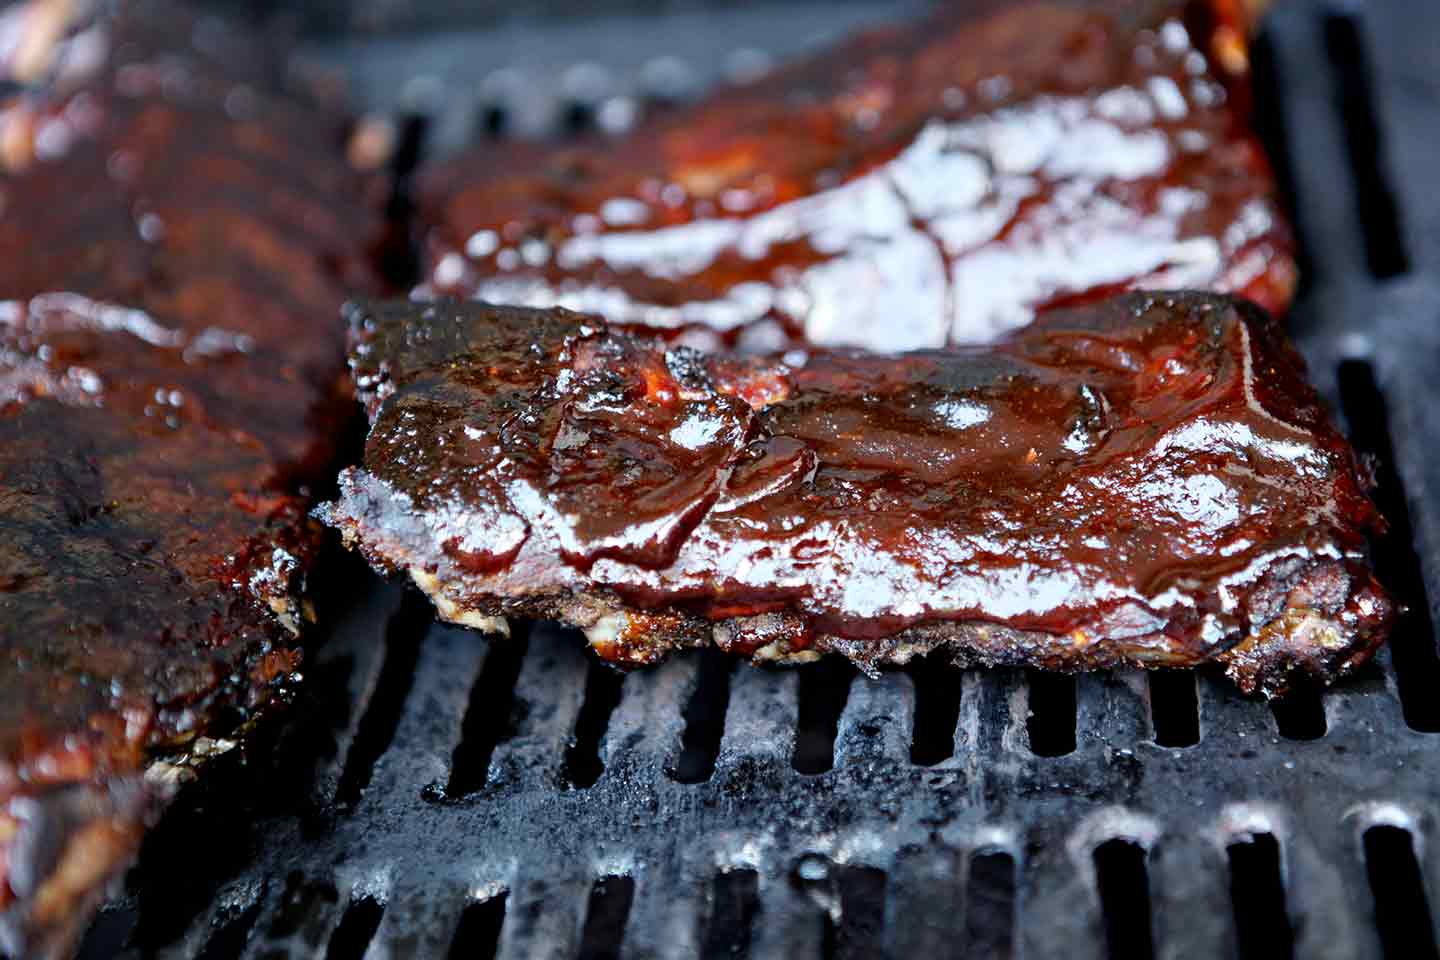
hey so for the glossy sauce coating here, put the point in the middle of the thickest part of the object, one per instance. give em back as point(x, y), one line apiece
point(916, 186)
point(1149, 480)
point(175, 243)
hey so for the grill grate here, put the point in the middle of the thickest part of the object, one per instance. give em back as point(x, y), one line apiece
point(434, 793)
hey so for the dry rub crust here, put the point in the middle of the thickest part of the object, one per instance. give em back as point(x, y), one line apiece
point(1148, 481)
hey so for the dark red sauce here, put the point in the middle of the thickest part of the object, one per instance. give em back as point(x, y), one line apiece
point(1144, 479)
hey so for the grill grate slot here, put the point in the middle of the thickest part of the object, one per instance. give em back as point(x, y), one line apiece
point(1379, 217)
point(583, 88)
point(1300, 714)
point(1273, 103)
point(356, 930)
point(583, 765)
point(305, 909)
point(492, 121)
point(937, 709)
point(1174, 708)
point(409, 148)
point(231, 935)
point(704, 718)
point(736, 900)
point(477, 936)
point(605, 917)
point(1257, 892)
point(397, 255)
point(824, 689)
point(1402, 911)
point(990, 905)
point(492, 716)
point(1124, 885)
point(1051, 721)
point(1300, 123)
point(112, 926)
point(1412, 643)
point(167, 905)
point(852, 901)
point(382, 715)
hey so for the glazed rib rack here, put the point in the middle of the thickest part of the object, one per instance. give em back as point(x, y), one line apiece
point(435, 793)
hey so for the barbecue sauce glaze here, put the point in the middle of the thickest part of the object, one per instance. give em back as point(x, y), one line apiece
point(1148, 480)
point(920, 185)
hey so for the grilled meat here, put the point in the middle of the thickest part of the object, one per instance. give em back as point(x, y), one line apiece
point(174, 247)
point(1146, 481)
point(915, 186)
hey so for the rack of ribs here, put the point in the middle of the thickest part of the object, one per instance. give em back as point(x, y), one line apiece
point(914, 186)
point(1145, 481)
point(175, 243)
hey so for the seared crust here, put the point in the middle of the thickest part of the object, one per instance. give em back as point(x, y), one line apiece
point(174, 246)
point(1149, 481)
point(917, 185)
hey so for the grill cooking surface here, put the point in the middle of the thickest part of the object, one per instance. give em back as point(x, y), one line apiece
point(435, 792)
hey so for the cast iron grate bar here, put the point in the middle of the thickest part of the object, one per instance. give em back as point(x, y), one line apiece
point(1299, 121)
point(925, 910)
point(1412, 642)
